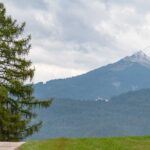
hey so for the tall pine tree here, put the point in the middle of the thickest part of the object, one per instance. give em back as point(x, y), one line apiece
point(16, 100)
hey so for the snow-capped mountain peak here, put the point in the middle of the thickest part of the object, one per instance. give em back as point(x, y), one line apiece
point(139, 57)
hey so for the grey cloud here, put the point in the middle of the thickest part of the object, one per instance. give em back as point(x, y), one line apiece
point(83, 32)
point(140, 5)
point(77, 20)
point(25, 5)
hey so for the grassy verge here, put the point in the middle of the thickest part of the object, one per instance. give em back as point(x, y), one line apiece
point(122, 143)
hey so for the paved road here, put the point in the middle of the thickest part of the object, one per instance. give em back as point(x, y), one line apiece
point(10, 145)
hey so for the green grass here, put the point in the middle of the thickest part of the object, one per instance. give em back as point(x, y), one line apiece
point(119, 143)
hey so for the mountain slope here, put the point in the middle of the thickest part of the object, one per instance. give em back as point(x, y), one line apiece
point(124, 115)
point(137, 97)
point(130, 73)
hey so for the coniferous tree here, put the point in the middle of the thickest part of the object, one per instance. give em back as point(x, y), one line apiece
point(16, 100)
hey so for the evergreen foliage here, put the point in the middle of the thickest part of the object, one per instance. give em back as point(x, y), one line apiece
point(16, 100)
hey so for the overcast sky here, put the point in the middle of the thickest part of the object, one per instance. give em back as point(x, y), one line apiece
point(71, 37)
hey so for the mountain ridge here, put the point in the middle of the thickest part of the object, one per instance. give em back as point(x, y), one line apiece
point(127, 59)
point(104, 82)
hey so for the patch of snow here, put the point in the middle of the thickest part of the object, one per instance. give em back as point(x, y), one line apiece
point(116, 84)
point(139, 57)
point(134, 87)
point(106, 100)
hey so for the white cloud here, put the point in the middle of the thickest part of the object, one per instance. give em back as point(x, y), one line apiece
point(72, 37)
point(47, 72)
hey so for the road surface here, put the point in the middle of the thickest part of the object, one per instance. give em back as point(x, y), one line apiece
point(10, 145)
